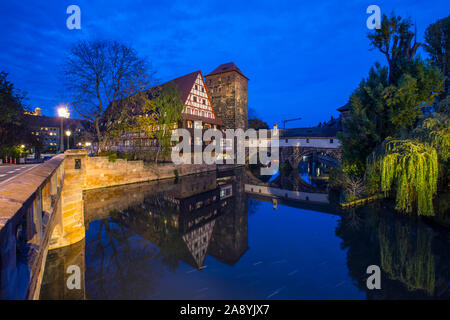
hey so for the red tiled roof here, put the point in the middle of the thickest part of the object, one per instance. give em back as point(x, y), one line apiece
point(227, 67)
point(184, 84)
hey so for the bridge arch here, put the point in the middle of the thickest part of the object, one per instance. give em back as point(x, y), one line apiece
point(293, 155)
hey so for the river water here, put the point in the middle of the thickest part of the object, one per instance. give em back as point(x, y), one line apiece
point(226, 235)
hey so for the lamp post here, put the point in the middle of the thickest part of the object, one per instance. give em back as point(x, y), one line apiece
point(68, 133)
point(62, 113)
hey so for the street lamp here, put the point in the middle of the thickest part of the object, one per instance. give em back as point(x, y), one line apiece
point(62, 113)
point(68, 133)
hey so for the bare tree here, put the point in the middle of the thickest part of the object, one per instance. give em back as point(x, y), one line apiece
point(99, 76)
point(354, 187)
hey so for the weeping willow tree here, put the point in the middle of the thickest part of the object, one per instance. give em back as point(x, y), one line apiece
point(435, 131)
point(410, 168)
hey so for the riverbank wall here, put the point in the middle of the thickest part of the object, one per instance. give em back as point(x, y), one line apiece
point(100, 172)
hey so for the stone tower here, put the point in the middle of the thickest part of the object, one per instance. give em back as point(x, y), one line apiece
point(228, 88)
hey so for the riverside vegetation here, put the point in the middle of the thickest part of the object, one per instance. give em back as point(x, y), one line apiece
point(396, 137)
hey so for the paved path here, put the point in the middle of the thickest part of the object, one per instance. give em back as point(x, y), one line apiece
point(9, 171)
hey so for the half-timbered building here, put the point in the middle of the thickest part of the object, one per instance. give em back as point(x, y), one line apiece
point(198, 113)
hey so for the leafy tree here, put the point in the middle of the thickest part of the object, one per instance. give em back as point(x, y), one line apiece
point(368, 121)
point(98, 75)
point(416, 88)
point(132, 115)
point(168, 106)
point(435, 132)
point(437, 44)
point(13, 124)
point(394, 40)
point(443, 106)
point(390, 100)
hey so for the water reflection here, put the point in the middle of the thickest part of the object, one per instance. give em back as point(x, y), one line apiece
point(224, 235)
point(313, 171)
point(412, 254)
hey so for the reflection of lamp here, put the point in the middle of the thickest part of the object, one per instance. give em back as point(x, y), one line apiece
point(68, 133)
point(62, 113)
point(22, 146)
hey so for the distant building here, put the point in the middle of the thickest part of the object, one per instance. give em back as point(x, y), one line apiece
point(344, 110)
point(47, 131)
point(228, 88)
point(37, 112)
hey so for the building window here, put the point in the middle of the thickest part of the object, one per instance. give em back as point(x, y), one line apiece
point(196, 87)
point(307, 140)
point(228, 78)
point(203, 89)
point(204, 102)
point(195, 99)
point(331, 140)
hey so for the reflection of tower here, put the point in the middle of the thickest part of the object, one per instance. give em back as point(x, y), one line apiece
point(197, 241)
point(228, 88)
point(230, 237)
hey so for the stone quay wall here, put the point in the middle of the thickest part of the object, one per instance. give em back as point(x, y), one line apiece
point(102, 173)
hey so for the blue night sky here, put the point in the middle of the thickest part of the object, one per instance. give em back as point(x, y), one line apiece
point(303, 58)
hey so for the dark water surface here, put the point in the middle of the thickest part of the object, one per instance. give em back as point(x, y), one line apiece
point(226, 235)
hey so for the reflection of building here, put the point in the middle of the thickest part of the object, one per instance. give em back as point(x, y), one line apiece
point(199, 215)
